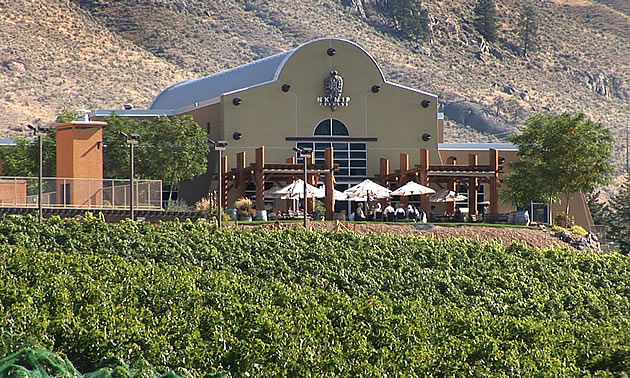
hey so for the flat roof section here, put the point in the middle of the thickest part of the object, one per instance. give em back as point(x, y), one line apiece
point(477, 146)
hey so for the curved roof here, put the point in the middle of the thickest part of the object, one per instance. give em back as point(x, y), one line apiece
point(259, 72)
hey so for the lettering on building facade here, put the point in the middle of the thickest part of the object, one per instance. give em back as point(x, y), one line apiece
point(333, 86)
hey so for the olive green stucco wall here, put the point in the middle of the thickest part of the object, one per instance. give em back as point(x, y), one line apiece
point(267, 115)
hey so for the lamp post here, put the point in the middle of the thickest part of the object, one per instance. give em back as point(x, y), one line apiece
point(219, 146)
point(132, 140)
point(40, 132)
point(305, 153)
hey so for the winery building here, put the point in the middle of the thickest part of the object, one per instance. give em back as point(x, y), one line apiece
point(331, 93)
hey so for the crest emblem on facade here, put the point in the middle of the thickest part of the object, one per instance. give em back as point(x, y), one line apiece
point(333, 86)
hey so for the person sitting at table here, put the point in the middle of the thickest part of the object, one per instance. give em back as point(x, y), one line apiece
point(459, 217)
point(401, 215)
point(377, 212)
point(388, 212)
point(421, 216)
point(411, 213)
point(432, 214)
point(359, 215)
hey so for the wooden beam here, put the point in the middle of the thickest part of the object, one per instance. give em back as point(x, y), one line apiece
point(404, 168)
point(329, 201)
point(259, 178)
point(494, 182)
point(424, 178)
point(241, 178)
point(452, 185)
point(223, 188)
point(472, 187)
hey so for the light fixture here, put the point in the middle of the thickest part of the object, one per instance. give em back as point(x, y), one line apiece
point(501, 160)
point(331, 51)
point(237, 135)
point(132, 140)
point(376, 88)
point(426, 137)
point(237, 101)
point(425, 103)
point(305, 153)
point(285, 87)
point(219, 146)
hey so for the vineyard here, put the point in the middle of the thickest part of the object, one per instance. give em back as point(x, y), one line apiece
point(190, 298)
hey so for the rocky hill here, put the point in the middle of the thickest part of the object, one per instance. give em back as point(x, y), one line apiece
point(57, 54)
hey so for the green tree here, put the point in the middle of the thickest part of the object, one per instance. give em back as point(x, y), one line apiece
point(620, 222)
point(486, 19)
point(178, 150)
point(600, 211)
point(528, 28)
point(171, 149)
point(116, 151)
point(558, 155)
point(20, 160)
point(410, 17)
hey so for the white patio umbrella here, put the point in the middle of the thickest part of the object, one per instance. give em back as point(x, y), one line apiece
point(367, 189)
point(273, 193)
point(445, 195)
point(412, 189)
point(295, 190)
point(339, 196)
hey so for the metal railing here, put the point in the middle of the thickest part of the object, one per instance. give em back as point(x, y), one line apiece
point(80, 193)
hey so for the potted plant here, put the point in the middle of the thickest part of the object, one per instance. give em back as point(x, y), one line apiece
point(319, 211)
point(244, 209)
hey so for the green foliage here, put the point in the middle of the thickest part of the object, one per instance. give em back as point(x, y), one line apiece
point(299, 303)
point(620, 219)
point(558, 154)
point(486, 19)
point(23, 158)
point(410, 17)
point(66, 116)
point(528, 28)
point(171, 149)
point(176, 151)
point(600, 211)
point(41, 363)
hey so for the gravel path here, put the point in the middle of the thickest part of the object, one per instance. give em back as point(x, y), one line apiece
point(532, 237)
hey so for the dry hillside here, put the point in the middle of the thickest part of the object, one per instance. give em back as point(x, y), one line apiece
point(103, 53)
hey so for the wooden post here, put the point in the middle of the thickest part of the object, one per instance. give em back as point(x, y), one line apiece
point(494, 181)
point(259, 178)
point(311, 180)
point(404, 167)
point(222, 185)
point(424, 178)
point(452, 185)
point(241, 179)
point(472, 187)
point(329, 201)
point(292, 204)
point(384, 172)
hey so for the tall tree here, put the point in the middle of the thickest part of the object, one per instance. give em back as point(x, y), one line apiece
point(486, 19)
point(620, 222)
point(178, 150)
point(171, 149)
point(116, 151)
point(558, 155)
point(528, 28)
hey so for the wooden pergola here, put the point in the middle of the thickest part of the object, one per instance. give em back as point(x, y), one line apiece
point(446, 176)
point(261, 171)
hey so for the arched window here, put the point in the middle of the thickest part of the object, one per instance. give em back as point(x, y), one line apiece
point(331, 127)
